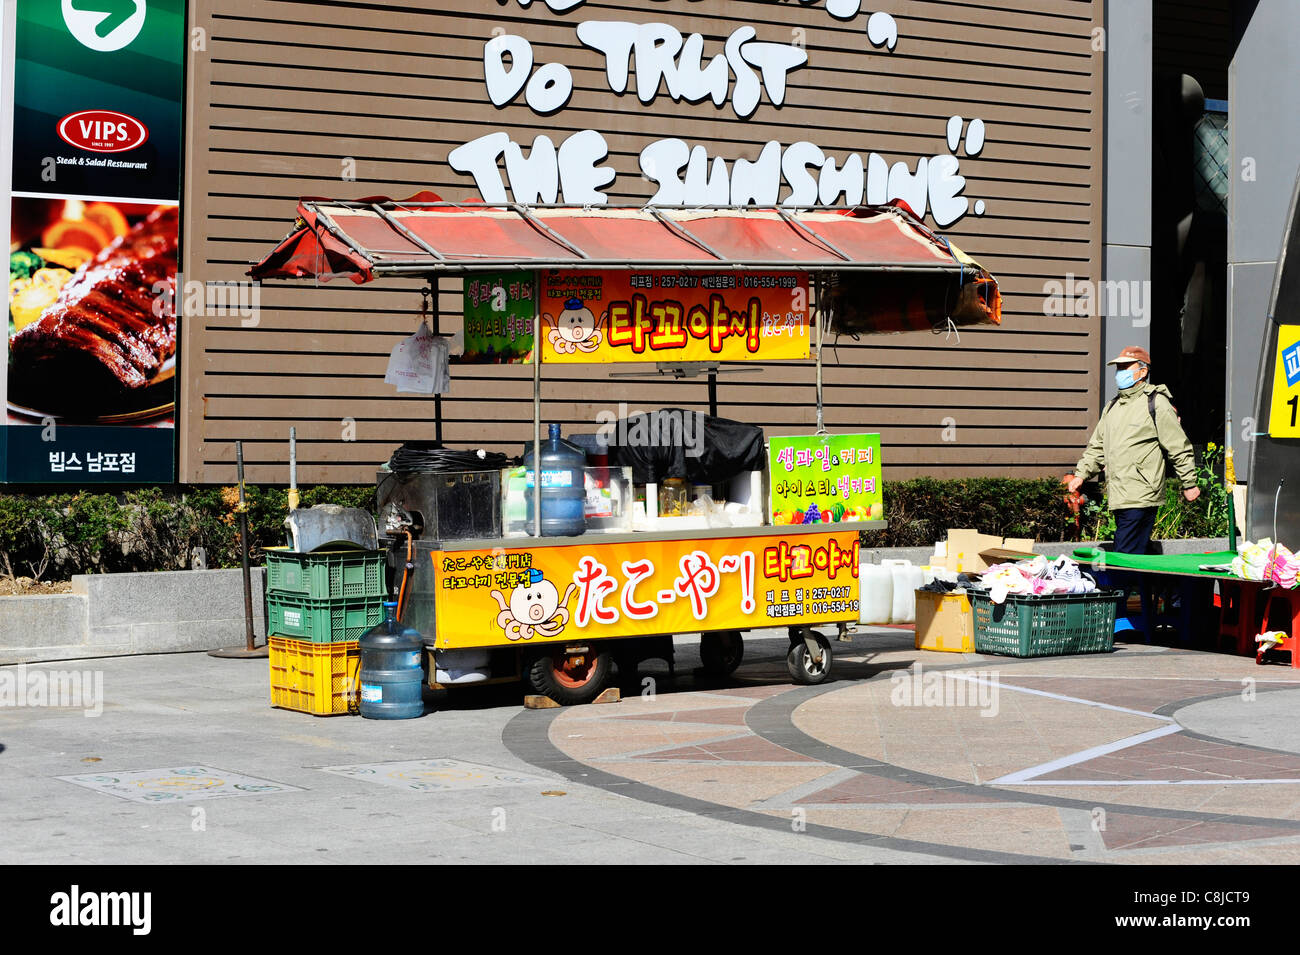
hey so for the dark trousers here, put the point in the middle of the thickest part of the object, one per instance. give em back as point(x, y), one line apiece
point(1133, 527)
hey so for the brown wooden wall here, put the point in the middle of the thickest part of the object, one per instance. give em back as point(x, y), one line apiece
point(287, 90)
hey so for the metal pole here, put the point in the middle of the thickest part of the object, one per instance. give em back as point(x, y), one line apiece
point(816, 315)
point(248, 650)
point(293, 469)
point(243, 548)
point(537, 406)
point(713, 394)
point(437, 399)
point(1230, 484)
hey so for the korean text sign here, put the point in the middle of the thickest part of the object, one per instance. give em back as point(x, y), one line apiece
point(624, 316)
point(570, 592)
point(825, 478)
point(1284, 412)
point(499, 318)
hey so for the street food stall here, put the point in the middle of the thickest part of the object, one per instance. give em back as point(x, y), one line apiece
point(602, 560)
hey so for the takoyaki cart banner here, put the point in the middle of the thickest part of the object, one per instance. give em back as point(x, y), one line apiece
point(90, 380)
point(641, 316)
point(567, 593)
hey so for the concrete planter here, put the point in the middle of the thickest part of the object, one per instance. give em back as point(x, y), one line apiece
point(121, 614)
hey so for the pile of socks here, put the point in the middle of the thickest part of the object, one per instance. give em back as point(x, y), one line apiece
point(1036, 577)
point(1264, 560)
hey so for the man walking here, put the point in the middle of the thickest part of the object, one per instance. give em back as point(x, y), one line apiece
point(1136, 431)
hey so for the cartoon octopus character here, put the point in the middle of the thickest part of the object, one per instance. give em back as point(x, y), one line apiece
point(534, 608)
point(576, 329)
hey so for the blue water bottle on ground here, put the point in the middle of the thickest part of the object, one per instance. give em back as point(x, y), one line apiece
point(392, 679)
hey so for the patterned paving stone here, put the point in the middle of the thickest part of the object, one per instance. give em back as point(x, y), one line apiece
point(866, 789)
point(1133, 831)
point(723, 716)
point(749, 749)
point(1134, 694)
point(1180, 757)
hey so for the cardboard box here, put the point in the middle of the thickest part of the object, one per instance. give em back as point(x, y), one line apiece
point(966, 550)
point(944, 622)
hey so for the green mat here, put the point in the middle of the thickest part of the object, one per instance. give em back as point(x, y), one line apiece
point(1159, 563)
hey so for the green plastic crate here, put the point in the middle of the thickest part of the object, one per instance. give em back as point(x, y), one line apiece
point(322, 621)
point(325, 575)
point(1045, 626)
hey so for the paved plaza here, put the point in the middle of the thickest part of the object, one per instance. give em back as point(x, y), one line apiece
point(1146, 755)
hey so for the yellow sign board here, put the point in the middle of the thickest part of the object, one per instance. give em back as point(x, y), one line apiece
point(621, 316)
point(562, 593)
point(1284, 415)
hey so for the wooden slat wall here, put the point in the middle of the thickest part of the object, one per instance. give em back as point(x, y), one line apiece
point(288, 89)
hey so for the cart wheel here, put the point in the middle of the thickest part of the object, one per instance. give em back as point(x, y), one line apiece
point(803, 668)
point(721, 652)
point(570, 678)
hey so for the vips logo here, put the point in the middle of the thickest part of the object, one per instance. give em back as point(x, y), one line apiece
point(103, 131)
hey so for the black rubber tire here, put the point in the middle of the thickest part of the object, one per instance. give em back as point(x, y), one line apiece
point(800, 663)
point(721, 652)
point(542, 678)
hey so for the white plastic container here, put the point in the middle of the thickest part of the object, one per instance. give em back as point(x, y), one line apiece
point(876, 584)
point(461, 666)
point(906, 578)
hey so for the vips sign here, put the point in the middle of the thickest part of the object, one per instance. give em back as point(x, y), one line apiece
point(606, 316)
point(90, 377)
point(563, 593)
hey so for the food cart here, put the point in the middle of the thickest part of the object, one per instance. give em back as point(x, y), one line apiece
point(686, 289)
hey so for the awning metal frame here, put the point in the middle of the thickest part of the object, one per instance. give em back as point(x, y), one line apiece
point(399, 265)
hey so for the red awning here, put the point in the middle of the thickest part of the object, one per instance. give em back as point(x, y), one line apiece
point(425, 236)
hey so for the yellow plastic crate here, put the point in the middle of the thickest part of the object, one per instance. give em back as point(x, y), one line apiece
point(944, 622)
point(316, 678)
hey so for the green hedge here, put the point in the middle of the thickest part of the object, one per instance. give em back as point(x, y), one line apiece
point(54, 536)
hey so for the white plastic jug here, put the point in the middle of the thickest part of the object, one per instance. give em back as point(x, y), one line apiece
point(876, 583)
point(906, 578)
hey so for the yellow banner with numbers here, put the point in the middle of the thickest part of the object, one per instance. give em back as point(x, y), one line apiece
point(1284, 415)
point(561, 593)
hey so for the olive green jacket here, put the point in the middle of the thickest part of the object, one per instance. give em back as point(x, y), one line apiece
point(1129, 446)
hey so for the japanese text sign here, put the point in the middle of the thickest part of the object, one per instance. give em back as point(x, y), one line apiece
point(568, 592)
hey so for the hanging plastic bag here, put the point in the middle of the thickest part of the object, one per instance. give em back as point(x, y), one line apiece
point(418, 364)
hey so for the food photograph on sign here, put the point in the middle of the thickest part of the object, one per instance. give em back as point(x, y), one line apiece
point(92, 319)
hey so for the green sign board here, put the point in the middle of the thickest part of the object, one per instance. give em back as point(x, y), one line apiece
point(499, 318)
point(826, 478)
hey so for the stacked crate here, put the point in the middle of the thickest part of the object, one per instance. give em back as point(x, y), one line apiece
point(318, 606)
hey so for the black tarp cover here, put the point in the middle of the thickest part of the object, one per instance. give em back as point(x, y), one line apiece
point(675, 443)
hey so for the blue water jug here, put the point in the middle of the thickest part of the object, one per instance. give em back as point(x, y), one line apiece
point(392, 679)
point(563, 494)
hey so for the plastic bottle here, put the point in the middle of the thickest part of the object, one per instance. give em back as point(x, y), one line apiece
point(563, 492)
point(906, 578)
point(876, 583)
point(392, 678)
